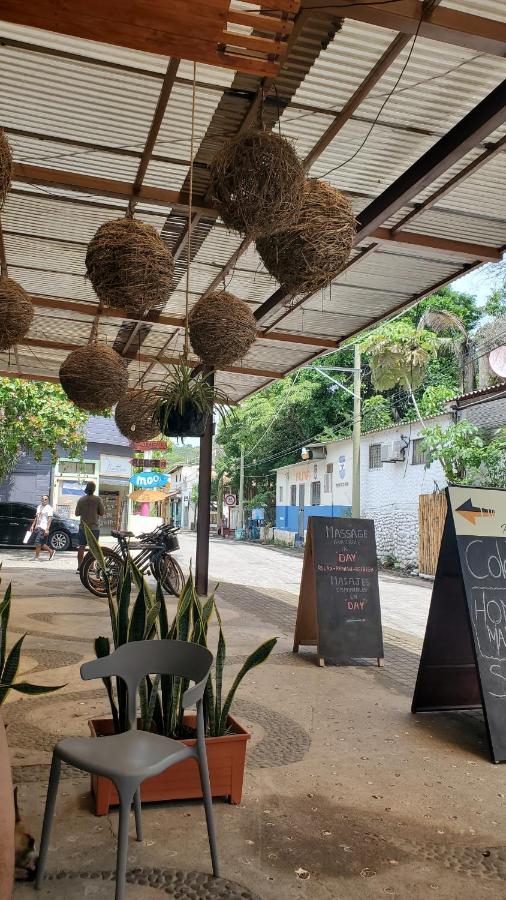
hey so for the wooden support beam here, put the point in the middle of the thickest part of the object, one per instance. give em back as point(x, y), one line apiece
point(107, 187)
point(259, 22)
point(464, 173)
point(29, 376)
point(67, 347)
point(161, 106)
point(89, 310)
point(450, 26)
point(445, 245)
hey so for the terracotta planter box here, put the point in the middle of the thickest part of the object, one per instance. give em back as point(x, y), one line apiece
point(226, 758)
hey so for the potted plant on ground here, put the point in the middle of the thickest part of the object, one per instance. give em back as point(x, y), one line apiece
point(161, 696)
point(186, 402)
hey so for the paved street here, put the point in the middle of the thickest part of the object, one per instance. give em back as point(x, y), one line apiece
point(404, 601)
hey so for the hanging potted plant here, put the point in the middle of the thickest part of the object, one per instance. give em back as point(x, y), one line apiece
point(161, 698)
point(187, 401)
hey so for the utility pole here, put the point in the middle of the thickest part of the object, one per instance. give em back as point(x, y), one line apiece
point(357, 379)
point(241, 490)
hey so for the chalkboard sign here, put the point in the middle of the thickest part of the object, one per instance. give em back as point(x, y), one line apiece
point(463, 662)
point(339, 609)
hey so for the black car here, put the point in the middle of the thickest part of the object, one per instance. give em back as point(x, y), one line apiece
point(16, 519)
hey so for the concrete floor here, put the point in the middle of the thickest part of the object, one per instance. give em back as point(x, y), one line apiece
point(347, 795)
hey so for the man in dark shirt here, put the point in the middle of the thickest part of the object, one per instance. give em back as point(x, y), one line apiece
point(89, 508)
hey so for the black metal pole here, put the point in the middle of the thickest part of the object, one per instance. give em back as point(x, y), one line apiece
point(204, 506)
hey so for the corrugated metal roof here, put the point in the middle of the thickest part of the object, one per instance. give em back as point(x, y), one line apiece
point(85, 107)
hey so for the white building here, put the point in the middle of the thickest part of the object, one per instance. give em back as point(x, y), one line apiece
point(392, 476)
point(183, 505)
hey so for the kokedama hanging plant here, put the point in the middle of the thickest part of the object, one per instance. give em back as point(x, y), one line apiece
point(187, 401)
point(222, 328)
point(257, 183)
point(94, 377)
point(16, 312)
point(136, 417)
point(5, 167)
point(129, 266)
point(314, 249)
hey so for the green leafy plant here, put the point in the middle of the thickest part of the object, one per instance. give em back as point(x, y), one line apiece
point(434, 399)
point(376, 413)
point(37, 417)
point(466, 456)
point(161, 697)
point(182, 387)
point(9, 660)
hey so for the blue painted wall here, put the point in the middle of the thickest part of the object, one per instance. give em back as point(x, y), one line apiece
point(287, 517)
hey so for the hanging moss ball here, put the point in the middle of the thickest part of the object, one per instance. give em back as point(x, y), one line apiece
point(5, 167)
point(309, 255)
point(222, 328)
point(129, 266)
point(94, 377)
point(16, 312)
point(257, 182)
point(136, 417)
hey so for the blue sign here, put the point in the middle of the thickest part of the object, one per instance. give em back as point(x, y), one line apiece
point(149, 480)
point(73, 487)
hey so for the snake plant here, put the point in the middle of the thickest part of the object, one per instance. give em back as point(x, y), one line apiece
point(161, 697)
point(9, 661)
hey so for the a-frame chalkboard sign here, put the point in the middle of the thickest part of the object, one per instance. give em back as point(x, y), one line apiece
point(463, 662)
point(339, 609)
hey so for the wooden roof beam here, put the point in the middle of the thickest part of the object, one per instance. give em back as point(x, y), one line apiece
point(89, 310)
point(450, 26)
point(67, 347)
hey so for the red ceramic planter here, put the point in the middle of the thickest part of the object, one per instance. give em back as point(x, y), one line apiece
point(226, 757)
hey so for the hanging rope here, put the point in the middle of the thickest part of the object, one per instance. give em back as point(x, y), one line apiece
point(188, 261)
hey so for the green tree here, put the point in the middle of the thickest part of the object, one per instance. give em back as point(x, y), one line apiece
point(434, 399)
point(465, 454)
point(495, 305)
point(37, 416)
point(376, 413)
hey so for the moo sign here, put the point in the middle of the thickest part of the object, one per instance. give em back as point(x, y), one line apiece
point(149, 480)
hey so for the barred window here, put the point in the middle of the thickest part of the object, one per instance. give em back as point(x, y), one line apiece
point(419, 457)
point(375, 456)
point(315, 493)
point(293, 495)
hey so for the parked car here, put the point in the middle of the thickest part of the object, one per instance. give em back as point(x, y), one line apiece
point(16, 519)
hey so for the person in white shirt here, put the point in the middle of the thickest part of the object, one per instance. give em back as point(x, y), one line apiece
point(40, 527)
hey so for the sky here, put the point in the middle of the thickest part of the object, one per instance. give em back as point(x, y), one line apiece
point(481, 283)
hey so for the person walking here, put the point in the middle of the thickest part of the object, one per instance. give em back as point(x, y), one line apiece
point(89, 508)
point(40, 527)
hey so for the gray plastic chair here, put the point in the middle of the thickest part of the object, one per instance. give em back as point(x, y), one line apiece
point(129, 758)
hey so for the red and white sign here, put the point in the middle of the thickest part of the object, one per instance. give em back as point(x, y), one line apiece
point(148, 445)
point(143, 463)
point(230, 500)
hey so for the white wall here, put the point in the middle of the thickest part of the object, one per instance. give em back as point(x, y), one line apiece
point(389, 495)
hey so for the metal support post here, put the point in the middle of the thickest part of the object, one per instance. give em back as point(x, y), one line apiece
point(241, 490)
point(357, 378)
point(204, 506)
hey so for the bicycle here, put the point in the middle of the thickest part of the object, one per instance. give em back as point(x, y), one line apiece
point(154, 557)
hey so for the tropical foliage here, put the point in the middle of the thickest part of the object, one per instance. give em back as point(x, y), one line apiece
point(37, 417)
point(467, 457)
point(9, 660)
point(161, 697)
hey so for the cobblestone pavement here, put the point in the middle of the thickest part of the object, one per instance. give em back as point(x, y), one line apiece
point(404, 601)
point(347, 796)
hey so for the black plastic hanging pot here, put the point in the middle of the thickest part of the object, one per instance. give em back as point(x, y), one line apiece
point(190, 423)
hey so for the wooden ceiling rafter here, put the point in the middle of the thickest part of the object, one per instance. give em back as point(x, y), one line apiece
point(444, 24)
point(135, 356)
point(192, 31)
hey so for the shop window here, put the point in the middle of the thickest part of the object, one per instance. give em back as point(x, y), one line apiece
point(419, 457)
point(280, 493)
point(293, 495)
point(375, 456)
point(315, 493)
